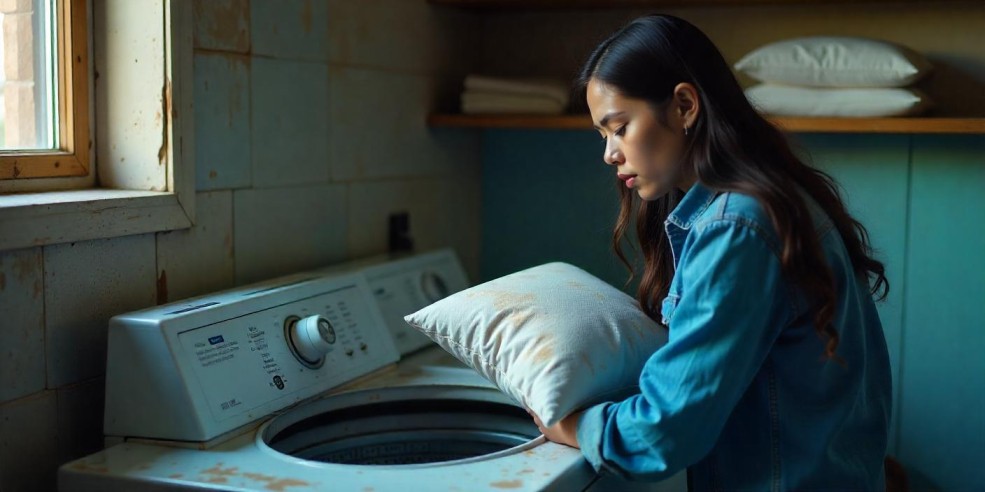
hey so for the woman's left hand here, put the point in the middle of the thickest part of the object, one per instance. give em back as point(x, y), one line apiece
point(564, 432)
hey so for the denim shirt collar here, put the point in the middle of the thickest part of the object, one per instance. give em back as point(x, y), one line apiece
point(694, 203)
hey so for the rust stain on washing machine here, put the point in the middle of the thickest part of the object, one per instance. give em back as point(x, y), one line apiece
point(283, 483)
point(507, 484)
point(218, 470)
point(274, 483)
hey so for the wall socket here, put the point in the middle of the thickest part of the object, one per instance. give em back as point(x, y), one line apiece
point(398, 233)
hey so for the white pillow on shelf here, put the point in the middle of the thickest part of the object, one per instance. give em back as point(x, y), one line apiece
point(779, 100)
point(553, 337)
point(833, 61)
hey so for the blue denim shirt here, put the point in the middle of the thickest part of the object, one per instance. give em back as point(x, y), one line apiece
point(741, 393)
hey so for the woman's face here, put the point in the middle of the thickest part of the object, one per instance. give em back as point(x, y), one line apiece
point(646, 154)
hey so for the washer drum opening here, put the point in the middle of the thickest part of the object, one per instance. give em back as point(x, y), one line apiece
point(427, 425)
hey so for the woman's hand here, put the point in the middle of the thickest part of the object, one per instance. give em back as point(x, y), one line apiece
point(564, 432)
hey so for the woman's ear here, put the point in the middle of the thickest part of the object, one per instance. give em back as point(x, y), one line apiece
point(687, 104)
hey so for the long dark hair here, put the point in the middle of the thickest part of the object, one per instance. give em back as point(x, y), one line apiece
point(731, 148)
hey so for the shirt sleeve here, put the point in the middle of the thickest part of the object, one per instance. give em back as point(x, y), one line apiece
point(731, 308)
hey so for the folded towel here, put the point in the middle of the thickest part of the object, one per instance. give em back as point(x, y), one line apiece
point(492, 103)
point(549, 88)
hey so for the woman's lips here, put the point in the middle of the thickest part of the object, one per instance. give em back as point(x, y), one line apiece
point(630, 179)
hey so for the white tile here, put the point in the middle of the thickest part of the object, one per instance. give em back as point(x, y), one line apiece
point(290, 28)
point(285, 230)
point(443, 212)
point(28, 443)
point(80, 419)
point(198, 260)
point(222, 121)
point(290, 122)
point(365, 145)
point(21, 324)
point(402, 35)
point(222, 25)
point(87, 283)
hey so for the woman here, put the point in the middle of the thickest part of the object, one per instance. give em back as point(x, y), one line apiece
point(776, 373)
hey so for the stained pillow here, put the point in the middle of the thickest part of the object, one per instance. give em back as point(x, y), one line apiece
point(829, 61)
point(553, 337)
point(780, 100)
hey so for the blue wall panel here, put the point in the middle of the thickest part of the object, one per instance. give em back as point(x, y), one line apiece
point(942, 432)
point(873, 172)
point(547, 196)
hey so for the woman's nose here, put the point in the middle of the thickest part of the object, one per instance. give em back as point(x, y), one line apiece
point(612, 155)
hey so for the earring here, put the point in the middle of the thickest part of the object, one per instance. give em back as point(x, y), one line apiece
point(685, 130)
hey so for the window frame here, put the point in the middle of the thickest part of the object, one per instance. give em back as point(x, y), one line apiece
point(74, 156)
point(118, 207)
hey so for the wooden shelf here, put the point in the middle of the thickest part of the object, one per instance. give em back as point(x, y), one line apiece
point(582, 4)
point(799, 125)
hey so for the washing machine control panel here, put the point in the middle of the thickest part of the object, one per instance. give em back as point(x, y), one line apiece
point(243, 363)
point(238, 356)
point(403, 287)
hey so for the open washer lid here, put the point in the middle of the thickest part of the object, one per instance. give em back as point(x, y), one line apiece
point(405, 426)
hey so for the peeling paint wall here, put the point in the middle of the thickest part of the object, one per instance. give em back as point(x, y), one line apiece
point(310, 131)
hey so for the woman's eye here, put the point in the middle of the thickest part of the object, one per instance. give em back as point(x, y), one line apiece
point(621, 131)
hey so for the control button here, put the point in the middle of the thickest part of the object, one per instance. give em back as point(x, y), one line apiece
point(348, 352)
point(309, 338)
point(363, 347)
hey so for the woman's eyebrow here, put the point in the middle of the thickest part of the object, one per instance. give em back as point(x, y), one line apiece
point(605, 119)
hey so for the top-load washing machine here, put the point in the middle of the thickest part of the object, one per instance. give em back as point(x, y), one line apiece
point(297, 384)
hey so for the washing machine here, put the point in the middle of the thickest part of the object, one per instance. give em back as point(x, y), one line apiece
point(313, 382)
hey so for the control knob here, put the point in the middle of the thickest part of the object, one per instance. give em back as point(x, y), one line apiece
point(310, 338)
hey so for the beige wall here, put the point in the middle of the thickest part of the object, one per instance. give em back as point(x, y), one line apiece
point(309, 132)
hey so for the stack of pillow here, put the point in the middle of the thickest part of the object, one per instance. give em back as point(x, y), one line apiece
point(836, 77)
point(491, 95)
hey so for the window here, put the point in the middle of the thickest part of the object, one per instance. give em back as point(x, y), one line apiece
point(44, 85)
point(140, 145)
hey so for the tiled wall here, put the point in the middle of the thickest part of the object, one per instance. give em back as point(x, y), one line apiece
point(310, 131)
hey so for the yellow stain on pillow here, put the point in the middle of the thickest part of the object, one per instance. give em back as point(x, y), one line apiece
point(502, 300)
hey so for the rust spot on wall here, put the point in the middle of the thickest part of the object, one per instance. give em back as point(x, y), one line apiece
point(213, 174)
point(175, 475)
point(306, 16)
point(225, 21)
point(217, 480)
point(227, 243)
point(162, 153)
point(162, 290)
point(507, 484)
